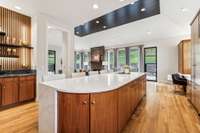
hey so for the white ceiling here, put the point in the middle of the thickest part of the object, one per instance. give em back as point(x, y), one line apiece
point(170, 23)
point(73, 12)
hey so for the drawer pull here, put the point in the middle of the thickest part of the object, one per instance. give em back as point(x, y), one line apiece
point(85, 102)
point(93, 102)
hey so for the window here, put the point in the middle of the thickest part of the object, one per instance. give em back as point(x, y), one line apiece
point(52, 61)
point(134, 59)
point(78, 60)
point(121, 57)
point(86, 60)
point(150, 63)
point(110, 59)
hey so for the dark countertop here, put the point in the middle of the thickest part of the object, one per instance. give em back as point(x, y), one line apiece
point(17, 73)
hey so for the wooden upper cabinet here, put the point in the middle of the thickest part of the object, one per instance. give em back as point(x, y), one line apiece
point(10, 91)
point(73, 113)
point(103, 112)
point(27, 87)
point(185, 57)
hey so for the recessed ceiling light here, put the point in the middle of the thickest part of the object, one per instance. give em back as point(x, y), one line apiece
point(97, 22)
point(104, 27)
point(95, 6)
point(143, 9)
point(184, 9)
point(18, 8)
point(132, 3)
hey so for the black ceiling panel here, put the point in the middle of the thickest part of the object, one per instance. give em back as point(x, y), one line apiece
point(124, 15)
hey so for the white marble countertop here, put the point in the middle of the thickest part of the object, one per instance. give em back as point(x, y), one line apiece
point(93, 84)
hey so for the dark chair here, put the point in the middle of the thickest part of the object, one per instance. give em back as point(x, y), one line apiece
point(180, 80)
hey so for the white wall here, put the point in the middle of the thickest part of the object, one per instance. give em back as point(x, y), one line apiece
point(167, 56)
point(56, 43)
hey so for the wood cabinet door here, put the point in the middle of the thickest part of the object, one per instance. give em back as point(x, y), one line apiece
point(104, 116)
point(187, 67)
point(10, 91)
point(124, 108)
point(73, 113)
point(180, 57)
point(27, 88)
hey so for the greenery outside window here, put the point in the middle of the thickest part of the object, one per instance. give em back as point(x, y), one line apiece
point(121, 58)
point(78, 60)
point(134, 59)
point(52, 61)
point(110, 59)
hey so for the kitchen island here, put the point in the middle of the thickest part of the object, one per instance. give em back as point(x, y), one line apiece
point(96, 104)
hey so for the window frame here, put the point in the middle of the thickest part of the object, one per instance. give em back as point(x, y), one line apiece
point(108, 59)
point(118, 65)
point(156, 54)
point(53, 51)
point(139, 56)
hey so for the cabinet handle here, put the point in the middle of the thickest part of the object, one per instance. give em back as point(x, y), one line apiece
point(85, 102)
point(93, 102)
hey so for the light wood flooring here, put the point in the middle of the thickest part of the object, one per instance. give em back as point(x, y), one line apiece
point(161, 111)
point(164, 112)
point(21, 119)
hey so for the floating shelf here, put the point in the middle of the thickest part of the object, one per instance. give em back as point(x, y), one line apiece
point(9, 56)
point(16, 46)
point(2, 33)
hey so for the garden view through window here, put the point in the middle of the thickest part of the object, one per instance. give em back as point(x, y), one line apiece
point(150, 63)
point(78, 60)
point(52, 61)
point(134, 59)
point(121, 57)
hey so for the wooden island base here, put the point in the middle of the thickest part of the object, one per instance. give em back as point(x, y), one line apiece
point(107, 112)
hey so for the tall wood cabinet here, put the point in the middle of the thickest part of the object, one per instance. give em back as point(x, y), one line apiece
point(184, 57)
point(195, 91)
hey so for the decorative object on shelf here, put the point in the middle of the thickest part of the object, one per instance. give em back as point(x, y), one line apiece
point(25, 43)
point(13, 40)
point(7, 40)
point(126, 69)
point(9, 51)
point(20, 42)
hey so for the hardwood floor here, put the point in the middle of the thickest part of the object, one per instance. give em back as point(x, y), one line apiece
point(161, 111)
point(164, 112)
point(21, 119)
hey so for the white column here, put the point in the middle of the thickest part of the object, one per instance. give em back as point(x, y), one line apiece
point(68, 60)
point(42, 47)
